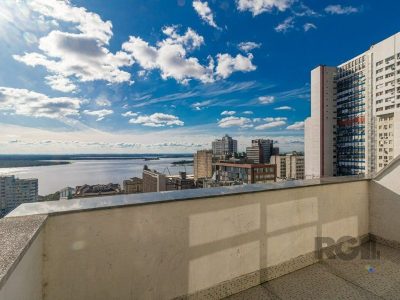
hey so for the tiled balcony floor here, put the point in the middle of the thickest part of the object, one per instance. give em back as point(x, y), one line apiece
point(336, 279)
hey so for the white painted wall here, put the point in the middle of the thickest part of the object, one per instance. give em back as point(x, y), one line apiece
point(25, 282)
point(385, 202)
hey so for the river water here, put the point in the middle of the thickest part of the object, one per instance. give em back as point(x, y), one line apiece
point(79, 172)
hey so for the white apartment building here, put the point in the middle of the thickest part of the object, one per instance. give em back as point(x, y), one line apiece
point(354, 126)
point(15, 191)
point(386, 100)
point(153, 181)
point(289, 166)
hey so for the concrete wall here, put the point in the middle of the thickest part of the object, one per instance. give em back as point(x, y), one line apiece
point(385, 203)
point(161, 251)
point(25, 282)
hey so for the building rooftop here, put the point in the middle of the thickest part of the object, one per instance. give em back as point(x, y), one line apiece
point(261, 241)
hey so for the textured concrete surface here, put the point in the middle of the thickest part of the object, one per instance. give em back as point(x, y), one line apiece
point(198, 248)
point(25, 281)
point(87, 204)
point(364, 277)
point(16, 235)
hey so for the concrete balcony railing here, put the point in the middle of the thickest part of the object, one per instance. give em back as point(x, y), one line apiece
point(208, 243)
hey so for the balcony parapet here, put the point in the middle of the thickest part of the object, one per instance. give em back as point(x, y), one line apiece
point(106, 202)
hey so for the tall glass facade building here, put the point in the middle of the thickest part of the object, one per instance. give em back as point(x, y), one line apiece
point(351, 103)
point(354, 126)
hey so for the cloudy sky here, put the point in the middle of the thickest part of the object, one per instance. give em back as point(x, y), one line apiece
point(136, 76)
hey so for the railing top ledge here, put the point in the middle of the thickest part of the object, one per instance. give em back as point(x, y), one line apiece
point(87, 204)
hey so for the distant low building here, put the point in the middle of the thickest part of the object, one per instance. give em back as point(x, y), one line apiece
point(245, 172)
point(205, 183)
point(153, 181)
point(133, 185)
point(67, 193)
point(97, 190)
point(202, 164)
point(15, 191)
point(289, 166)
point(180, 182)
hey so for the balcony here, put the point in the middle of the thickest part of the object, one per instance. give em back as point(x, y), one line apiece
point(242, 242)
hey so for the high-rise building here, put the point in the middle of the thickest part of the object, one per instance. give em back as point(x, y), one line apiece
point(153, 181)
point(354, 126)
point(254, 154)
point(224, 146)
point(289, 166)
point(275, 151)
point(320, 128)
point(260, 151)
point(202, 164)
point(15, 191)
point(245, 173)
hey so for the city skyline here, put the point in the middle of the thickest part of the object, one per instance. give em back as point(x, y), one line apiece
point(169, 76)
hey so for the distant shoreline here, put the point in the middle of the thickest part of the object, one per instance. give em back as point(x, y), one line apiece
point(29, 163)
point(20, 161)
point(68, 157)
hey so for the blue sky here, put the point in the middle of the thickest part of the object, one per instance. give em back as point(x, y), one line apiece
point(130, 76)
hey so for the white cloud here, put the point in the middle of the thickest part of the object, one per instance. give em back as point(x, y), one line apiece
point(243, 122)
point(191, 39)
point(286, 25)
point(61, 83)
point(228, 113)
point(248, 46)
point(100, 114)
point(227, 64)
point(260, 6)
point(248, 112)
point(235, 122)
point(201, 105)
point(170, 56)
point(157, 120)
point(309, 26)
point(103, 102)
point(302, 10)
point(90, 24)
point(296, 126)
point(341, 10)
point(283, 108)
point(178, 140)
point(82, 56)
point(266, 99)
point(270, 125)
point(129, 114)
point(70, 55)
point(205, 13)
point(19, 25)
point(271, 119)
point(29, 103)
